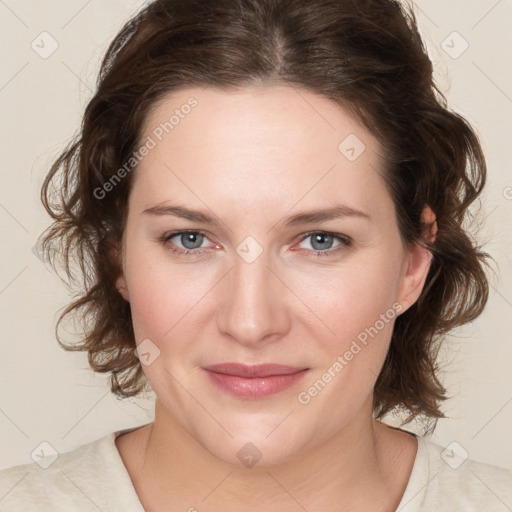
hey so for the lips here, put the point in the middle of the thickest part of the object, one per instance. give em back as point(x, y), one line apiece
point(248, 371)
point(254, 381)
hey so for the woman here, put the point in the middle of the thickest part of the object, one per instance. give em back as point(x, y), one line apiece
point(266, 203)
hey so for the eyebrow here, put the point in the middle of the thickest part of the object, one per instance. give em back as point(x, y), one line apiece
point(308, 217)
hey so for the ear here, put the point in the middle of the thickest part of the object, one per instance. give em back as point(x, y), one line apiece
point(116, 255)
point(417, 263)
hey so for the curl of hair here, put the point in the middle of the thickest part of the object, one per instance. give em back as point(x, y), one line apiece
point(365, 55)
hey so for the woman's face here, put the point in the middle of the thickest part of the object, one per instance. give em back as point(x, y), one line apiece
point(264, 281)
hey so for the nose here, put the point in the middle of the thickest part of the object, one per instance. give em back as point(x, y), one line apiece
point(254, 303)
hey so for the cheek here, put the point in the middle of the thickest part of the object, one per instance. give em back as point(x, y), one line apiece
point(164, 300)
point(160, 293)
point(354, 296)
point(359, 305)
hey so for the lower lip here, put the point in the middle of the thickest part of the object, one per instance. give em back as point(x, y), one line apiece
point(255, 387)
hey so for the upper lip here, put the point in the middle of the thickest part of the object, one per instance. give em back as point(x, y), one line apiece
point(248, 371)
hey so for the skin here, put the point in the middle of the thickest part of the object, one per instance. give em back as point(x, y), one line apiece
point(252, 158)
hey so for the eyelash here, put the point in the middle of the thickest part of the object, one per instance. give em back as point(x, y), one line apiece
point(345, 243)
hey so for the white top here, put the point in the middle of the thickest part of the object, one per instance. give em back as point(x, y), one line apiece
point(93, 477)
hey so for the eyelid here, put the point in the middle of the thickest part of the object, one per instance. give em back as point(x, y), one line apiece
point(339, 236)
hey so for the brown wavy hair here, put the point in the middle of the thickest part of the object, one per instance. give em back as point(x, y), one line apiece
point(365, 55)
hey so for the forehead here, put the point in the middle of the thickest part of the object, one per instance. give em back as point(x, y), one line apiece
point(260, 147)
point(255, 113)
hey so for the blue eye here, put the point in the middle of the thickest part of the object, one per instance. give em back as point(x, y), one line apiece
point(190, 240)
point(322, 242)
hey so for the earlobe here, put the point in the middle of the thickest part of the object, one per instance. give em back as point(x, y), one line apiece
point(413, 281)
point(117, 259)
point(122, 288)
point(417, 263)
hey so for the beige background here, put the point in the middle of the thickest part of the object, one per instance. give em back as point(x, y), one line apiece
point(51, 395)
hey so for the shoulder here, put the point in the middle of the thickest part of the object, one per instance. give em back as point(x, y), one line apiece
point(446, 479)
point(90, 477)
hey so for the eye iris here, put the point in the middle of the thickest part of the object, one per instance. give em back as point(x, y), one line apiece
point(194, 238)
point(321, 238)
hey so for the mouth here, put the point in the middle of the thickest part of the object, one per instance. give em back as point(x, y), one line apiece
point(254, 381)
